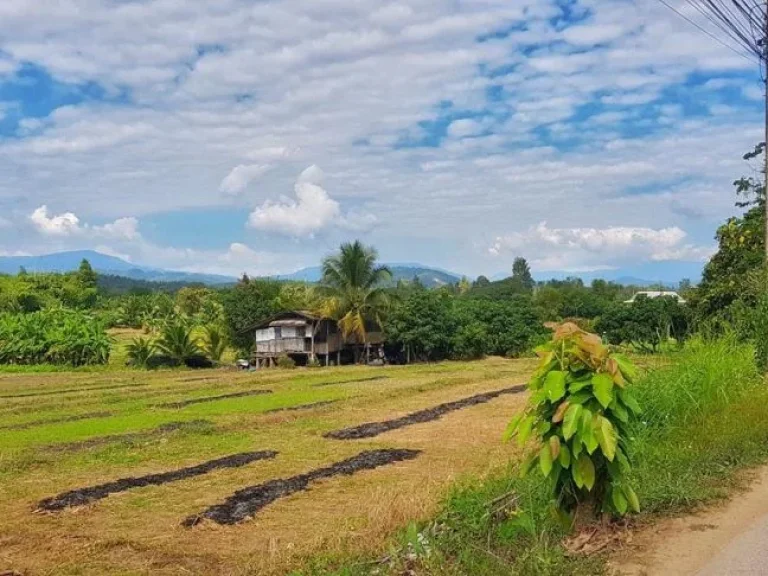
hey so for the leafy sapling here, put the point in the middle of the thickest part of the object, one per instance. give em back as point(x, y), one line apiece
point(580, 410)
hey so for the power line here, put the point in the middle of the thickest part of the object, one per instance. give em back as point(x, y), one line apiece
point(705, 31)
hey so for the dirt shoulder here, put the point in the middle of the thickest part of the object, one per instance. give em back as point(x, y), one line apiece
point(713, 539)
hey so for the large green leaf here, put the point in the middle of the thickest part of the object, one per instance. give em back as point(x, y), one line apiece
point(545, 460)
point(618, 410)
point(579, 385)
point(583, 472)
point(554, 384)
point(634, 502)
point(619, 500)
point(586, 431)
point(565, 456)
point(629, 401)
point(524, 429)
point(607, 437)
point(625, 365)
point(512, 427)
point(602, 385)
point(554, 446)
point(571, 421)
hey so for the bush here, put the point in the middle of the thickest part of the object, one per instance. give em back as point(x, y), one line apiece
point(53, 337)
point(647, 323)
point(215, 342)
point(140, 351)
point(176, 341)
point(286, 361)
point(580, 409)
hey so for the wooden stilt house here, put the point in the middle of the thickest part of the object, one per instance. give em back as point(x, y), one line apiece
point(305, 337)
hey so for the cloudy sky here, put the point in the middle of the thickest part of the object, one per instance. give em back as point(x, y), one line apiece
point(245, 135)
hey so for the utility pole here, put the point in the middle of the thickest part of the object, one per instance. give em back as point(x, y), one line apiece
point(763, 44)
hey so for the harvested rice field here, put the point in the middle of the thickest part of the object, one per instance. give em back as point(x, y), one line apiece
point(227, 472)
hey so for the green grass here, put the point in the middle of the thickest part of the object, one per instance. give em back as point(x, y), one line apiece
point(704, 421)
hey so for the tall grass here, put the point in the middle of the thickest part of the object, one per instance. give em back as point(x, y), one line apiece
point(704, 419)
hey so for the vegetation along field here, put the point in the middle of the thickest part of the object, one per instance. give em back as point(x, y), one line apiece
point(64, 431)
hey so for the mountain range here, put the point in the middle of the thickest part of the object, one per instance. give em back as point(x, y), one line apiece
point(428, 276)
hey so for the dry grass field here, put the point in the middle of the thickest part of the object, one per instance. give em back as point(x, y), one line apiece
point(68, 430)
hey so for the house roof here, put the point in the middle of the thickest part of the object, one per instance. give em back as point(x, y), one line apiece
point(288, 318)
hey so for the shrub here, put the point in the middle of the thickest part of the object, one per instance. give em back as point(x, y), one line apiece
point(647, 323)
point(177, 342)
point(215, 342)
point(286, 361)
point(580, 409)
point(140, 351)
point(53, 337)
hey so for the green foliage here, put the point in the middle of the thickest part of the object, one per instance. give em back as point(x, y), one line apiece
point(86, 275)
point(177, 342)
point(423, 321)
point(53, 337)
point(286, 361)
point(511, 326)
point(521, 273)
point(580, 411)
point(140, 351)
point(470, 341)
point(354, 284)
point(647, 323)
point(741, 250)
point(215, 342)
point(703, 418)
point(248, 303)
point(435, 325)
point(199, 305)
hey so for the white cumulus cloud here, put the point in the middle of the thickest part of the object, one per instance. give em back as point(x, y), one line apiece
point(581, 249)
point(68, 225)
point(311, 211)
point(240, 177)
point(65, 224)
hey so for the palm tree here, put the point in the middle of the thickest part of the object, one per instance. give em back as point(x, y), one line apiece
point(353, 283)
point(177, 342)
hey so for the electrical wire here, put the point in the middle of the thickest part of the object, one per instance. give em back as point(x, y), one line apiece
point(705, 31)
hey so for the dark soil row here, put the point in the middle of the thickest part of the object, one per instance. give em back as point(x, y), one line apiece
point(371, 429)
point(82, 496)
point(183, 403)
point(247, 502)
point(71, 390)
point(162, 430)
point(35, 423)
point(369, 379)
point(301, 407)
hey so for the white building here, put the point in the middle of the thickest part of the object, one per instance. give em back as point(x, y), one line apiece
point(657, 294)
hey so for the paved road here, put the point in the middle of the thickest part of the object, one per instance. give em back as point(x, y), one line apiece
point(747, 554)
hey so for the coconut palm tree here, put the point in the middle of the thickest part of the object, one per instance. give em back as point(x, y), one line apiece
point(354, 283)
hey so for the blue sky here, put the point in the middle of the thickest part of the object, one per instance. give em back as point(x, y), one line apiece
point(237, 136)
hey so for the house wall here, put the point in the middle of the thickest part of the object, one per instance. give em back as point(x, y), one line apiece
point(282, 346)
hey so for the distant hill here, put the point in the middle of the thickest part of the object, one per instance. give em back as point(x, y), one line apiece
point(429, 277)
point(117, 267)
point(104, 264)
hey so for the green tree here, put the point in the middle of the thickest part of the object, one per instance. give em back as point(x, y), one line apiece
point(176, 342)
point(249, 302)
point(741, 250)
point(354, 283)
point(86, 274)
point(647, 323)
point(522, 273)
point(422, 322)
